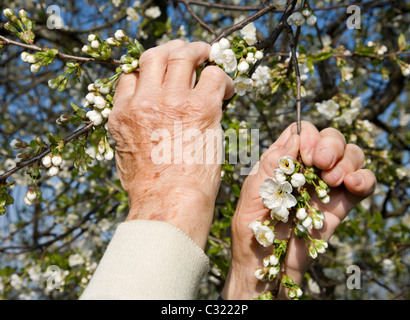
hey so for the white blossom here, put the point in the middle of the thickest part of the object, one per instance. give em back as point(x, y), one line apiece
point(249, 33)
point(132, 14)
point(95, 117)
point(328, 109)
point(286, 164)
point(75, 260)
point(277, 194)
point(153, 12)
point(46, 161)
point(280, 213)
point(242, 85)
point(263, 234)
point(280, 175)
point(100, 102)
point(296, 18)
point(311, 20)
point(16, 282)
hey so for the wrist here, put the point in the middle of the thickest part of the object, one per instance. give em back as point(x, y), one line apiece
point(183, 205)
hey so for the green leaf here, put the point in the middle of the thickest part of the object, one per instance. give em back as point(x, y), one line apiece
point(402, 42)
point(236, 190)
point(75, 107)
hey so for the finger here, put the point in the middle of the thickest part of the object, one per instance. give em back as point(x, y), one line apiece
point(329, 149)
point(268, 163)
point(182, 64)
point(214, 84)
point(125, 87)
point(353, 159)
point(309, 138)
point(360, 183)
point(153, 64)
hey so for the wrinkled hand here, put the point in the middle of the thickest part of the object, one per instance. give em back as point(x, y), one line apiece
point(153, 109)
point(341, 166)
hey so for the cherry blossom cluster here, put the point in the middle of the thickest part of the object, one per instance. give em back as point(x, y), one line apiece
point(236, 60)
point(299, 18)
point(287, 197)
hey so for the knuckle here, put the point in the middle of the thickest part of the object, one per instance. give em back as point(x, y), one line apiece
point(148, 56)
point(182, 53)
point(215, 73)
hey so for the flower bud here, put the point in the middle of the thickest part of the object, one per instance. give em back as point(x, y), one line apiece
point(46, 161)
point(298, 180)
point(106, 113)
point(325, 199)
point(127, 68)
point(105, 89)
point(31, 195)
point(260, 274)
point(95, 45)
point(243, 66)
point(273, 260)
point(99, 102)
point(311, 20)
point(321, 192)
point(224, 44)
point(120, 35)
point(34, 68)
point(307, 223)
point(312, 252)
point(109, 154)
point(57, 160)
point(90, 97)
point(317, 224)
point(91, 37)
point(28, 202)
point(301, 214)
point(86, 49)
point(258, 55)
point(8, 13)
point(53, 171)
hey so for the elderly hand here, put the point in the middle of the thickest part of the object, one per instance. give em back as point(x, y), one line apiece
point(158, 115)
point(341, 166)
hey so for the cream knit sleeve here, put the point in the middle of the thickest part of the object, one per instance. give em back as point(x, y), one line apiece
point(148, 260)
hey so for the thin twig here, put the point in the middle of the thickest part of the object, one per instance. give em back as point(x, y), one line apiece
point(197, 18)
point(40, 156)
point(62, 56)
point(292, 43)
